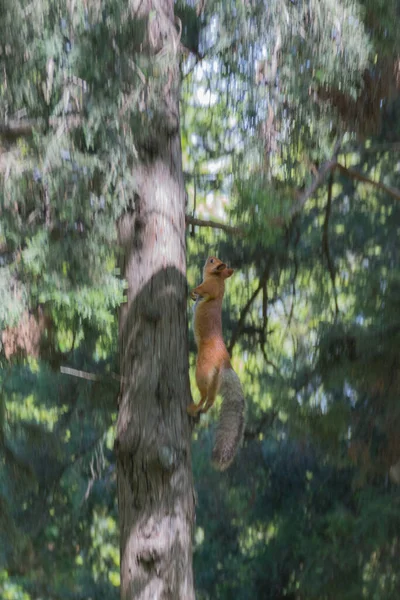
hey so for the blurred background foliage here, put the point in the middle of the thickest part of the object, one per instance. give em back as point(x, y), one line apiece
point(290, 120)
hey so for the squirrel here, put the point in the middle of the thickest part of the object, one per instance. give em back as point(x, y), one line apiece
point(214, 372)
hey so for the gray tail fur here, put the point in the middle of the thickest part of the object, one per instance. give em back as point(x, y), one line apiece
point(231, 420)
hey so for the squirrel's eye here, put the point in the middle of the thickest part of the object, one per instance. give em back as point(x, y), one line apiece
point(211, 260)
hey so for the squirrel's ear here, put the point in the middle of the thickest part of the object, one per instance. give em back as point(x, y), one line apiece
point(219, 268)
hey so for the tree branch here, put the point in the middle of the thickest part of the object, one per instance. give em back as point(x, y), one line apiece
point(15, 128)
point(18, 127)
point(214, 225)
point(295, 272)
point(325, 243)
point(302, 198)
point(319, 180)
point(87, 375)
point(246, 309)
point(395, 193)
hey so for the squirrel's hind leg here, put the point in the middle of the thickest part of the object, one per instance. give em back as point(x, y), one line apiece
point(212, 391)
point(208, 384)
point(202, 383)
point(193, 409)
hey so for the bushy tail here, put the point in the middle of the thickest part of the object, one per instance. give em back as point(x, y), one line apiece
point(231, 420)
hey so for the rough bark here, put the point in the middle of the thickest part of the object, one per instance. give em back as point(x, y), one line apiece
point(155, 488)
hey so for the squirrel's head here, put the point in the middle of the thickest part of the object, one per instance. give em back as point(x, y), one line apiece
point(215, 266)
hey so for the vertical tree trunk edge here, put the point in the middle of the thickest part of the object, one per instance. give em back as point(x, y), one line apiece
point(153, 438)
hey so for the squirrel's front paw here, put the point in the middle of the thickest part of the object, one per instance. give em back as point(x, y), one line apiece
point(193, 409)
point(193, 295)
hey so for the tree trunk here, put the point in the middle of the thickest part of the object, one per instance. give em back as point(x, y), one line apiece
point(155, 487)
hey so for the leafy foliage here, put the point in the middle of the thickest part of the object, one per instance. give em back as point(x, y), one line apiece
point(270, 93)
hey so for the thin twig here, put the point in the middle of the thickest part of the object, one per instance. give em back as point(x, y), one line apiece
point(295, 272)
point(81, 374)
point(325, 243)
point(319, 179)
point(87, 375)
point(246, 309)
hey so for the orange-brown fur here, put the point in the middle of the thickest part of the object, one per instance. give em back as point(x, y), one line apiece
point(212, 355)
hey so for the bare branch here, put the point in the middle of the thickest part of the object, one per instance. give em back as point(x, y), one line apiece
point(395, 193)
point(24, 127)
point(87, 375)
point(325, 243)
point(81, 374)
point(318, 181)
point(19, 127)
point(246, 309)
point(214, 225)
point(295, 272)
